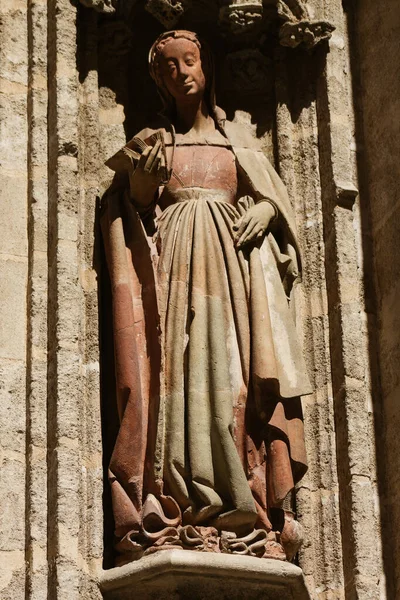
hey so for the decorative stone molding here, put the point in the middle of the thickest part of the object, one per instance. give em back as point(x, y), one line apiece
point(298, 28)
point(292, 9)
point(168, 12)
point(307, 32)
point(204, 575)
point(103, 6)
point(242, 17)
point(239, 17)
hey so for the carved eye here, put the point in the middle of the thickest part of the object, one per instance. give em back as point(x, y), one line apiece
point(189, 62)
point(171, 67)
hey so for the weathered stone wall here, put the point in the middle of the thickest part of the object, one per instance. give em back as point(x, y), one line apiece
point(50, 447)
point(14, 267)
point(68, 100)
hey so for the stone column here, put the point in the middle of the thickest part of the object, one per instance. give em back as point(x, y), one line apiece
point(350, 358)
point(317, 496)
point(14, 269)
point(74, 441)
point(36, 489)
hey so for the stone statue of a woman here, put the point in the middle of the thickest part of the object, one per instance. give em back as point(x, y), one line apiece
point(202, 253)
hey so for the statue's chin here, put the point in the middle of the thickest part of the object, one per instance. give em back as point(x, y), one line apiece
point(190, 90)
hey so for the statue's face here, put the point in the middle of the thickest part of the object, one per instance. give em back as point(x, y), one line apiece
point(181, 69)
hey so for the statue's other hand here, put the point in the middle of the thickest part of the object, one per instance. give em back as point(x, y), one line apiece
point(253, 224)
point(148, 175)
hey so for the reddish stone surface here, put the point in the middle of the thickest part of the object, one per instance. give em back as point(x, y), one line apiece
point(208, 369)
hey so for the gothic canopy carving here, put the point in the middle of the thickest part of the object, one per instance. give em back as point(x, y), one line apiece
point(239, 17)
point(297, 26)
point(103, 6)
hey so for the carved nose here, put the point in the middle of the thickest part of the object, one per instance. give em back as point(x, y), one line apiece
point(183, 73)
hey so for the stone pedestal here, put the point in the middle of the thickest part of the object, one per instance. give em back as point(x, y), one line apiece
point(183, 574)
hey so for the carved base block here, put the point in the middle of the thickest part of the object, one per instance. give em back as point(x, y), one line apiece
point(182, 574)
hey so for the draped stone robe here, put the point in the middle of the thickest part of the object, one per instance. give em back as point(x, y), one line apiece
point(208, 368)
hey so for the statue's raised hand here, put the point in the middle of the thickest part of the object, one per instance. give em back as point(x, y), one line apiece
point(254, 223)
point(148, 175)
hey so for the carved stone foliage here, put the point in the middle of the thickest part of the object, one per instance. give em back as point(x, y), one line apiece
point(247, 71)
point(242, 17)
point(103, 6)
point(245, 16)
point(168, 12)
point(298, 28)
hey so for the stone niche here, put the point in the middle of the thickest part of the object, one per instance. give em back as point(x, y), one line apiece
point(275, 77)
point(74, 87)
point(268, 87)
point(79, 90)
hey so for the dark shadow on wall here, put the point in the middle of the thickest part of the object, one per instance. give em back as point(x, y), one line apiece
point(109, 412)
point(368, 25)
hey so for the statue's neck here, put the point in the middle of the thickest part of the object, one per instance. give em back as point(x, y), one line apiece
point(194, 116)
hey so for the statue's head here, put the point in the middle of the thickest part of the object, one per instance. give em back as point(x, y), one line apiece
point(181, 66)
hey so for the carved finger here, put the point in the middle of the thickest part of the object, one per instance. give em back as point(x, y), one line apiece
point(143, 157)
point(242, 225)
point(257, 233)
point(155, 166)
point(158, 168)
point(163, 167)
point(152, 156)
point(247, 235)
point(237, 224)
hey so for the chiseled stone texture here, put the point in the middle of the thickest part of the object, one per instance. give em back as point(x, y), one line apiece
point(183, 574)
point(51, 519)
point(13, 294)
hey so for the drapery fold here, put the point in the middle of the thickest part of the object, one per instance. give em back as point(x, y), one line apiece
point(208, 368)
